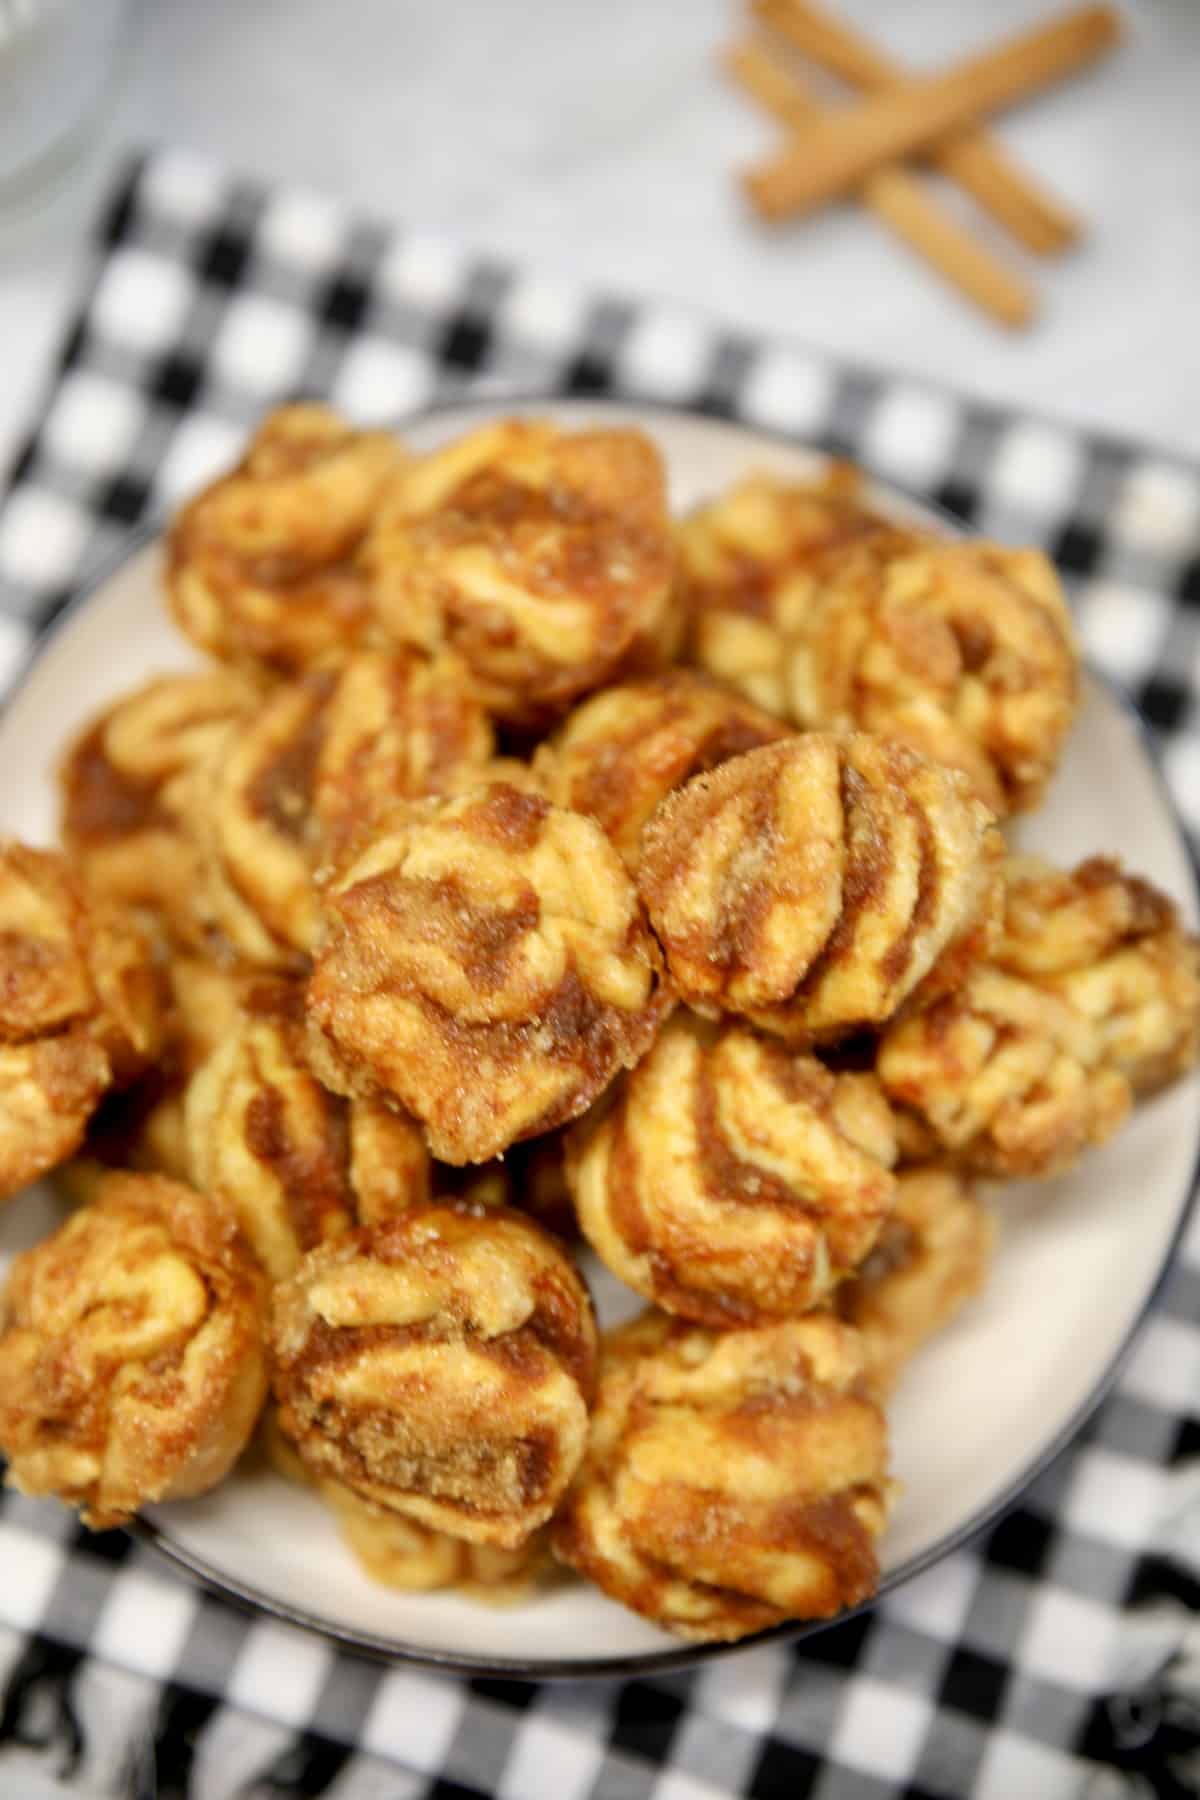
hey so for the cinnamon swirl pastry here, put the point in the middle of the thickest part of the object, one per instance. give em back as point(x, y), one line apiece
point(80, 1009)
point(834, 618)
point(439, 1366)
point(544, 558)
point(261, 565)
point(131, 1354)
point(731, 1179)
point(733, 1479)
point(486, 965)
point(813, 885)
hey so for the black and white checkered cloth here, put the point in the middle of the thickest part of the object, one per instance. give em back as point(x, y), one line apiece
point(1058, 1658)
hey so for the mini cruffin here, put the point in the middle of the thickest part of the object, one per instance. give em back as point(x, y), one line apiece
point(261, 565)
point(295, 1164)
point(141, 1128)
point(731, 1179)
point(834, 618)
point(397, 1552)
point(814, 884)
point(131, 1355)
point(487, 966)
point(1090, 994)
point(733, 1480)
point(294, 787)
point(1113, 947)
point(129, 799)
point(290, 789)
point(625, 749)
point(544, 558)
point(1006, 1078)
point(933, 1256)
point(80, 1009)
point(439, 1366)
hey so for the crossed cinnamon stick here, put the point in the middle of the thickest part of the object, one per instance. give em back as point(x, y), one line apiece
point(858, 148)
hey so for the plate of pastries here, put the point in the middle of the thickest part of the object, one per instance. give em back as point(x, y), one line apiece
point(596, 1028)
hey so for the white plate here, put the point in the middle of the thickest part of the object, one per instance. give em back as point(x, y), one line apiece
point(983, 1408)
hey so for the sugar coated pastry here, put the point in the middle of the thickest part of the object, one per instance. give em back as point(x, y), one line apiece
point(486, 965)
point(260, 566)
point(294, 1163)
point(292, 787)
point(813, 884)
point(732, 1179)
point(439, 1365)
point(141, 1127)
point(733, 1480)
point(932, 1256)
point(1112, 946)
point(833, 618)
point(80, 1009)
point(128, 802)
point(624, 750)
point(396, 726)
point(544, 558)
point(397, 1552)
point(1004, 1075)
point(131, 1355)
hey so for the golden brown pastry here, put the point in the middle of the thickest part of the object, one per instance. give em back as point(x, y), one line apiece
point(131, 1356)
point(1092, 988)
point(128, 800)
point(814, 884)
point(320, 761)
point(399, 1553)
point(544, 558)
point(260, 566)
point(396, 727)
point(486, 965)
point(624, 750)
point(1005, 1076)
point(439, 1365)
point(932, 1256)
point(142, 1127)
point(295, 1164)
point(80, 1009)
point(731, 1179)
point(733, 1480)
point(1112, 946)
point(833, 618)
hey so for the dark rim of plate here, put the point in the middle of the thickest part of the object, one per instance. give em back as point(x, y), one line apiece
point(661, 1662)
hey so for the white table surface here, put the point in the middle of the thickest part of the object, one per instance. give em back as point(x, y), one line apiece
point(597, 137)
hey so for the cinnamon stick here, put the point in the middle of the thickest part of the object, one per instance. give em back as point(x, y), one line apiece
point(974, 159)
point(895, 195)
point(838, 152)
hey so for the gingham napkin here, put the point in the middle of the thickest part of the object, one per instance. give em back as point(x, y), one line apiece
point(1058, 1658)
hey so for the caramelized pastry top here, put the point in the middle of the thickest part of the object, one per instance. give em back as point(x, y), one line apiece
point(80, 1009)
point(731, 1179)
point(624, 750)
point(544, 558)
point(129, 792)
point(439, 1365)
point(131, 1358)
point(814, 884)
point(294, 1163)
point(832, 617)
point(486, 964)
point(260, 566)
point(733, 1480)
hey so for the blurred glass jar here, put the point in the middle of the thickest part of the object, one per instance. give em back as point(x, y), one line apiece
point(58, 60)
